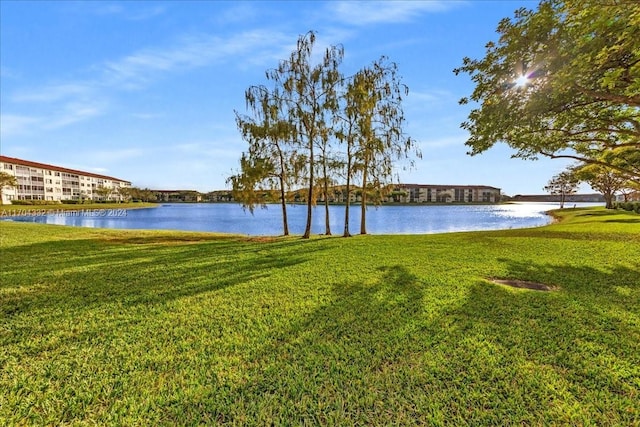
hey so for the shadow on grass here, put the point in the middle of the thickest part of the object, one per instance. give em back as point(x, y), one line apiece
point(72, 274)
point(584, 280)
point(625, 221)
point(384, 350)
point(373, 355)
point(577, 235)
point(320, 368)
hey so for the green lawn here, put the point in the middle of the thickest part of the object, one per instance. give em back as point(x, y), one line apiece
point(164, 328)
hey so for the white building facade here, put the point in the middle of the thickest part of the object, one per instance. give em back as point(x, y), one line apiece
point(429, 193)
point(39, 181)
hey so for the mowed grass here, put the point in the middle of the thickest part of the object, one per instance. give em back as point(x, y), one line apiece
point(171, 328)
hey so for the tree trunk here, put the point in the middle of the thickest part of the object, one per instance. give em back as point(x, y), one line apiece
point(348, 201)
point(363, 207)
point(307, 229)
point(608, 198)
point(327, 223)
point(285, 221)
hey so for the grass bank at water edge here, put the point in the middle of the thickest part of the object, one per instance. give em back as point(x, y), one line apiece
point(174, 328)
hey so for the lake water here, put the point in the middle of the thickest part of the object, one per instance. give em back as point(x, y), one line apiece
point(231, 218)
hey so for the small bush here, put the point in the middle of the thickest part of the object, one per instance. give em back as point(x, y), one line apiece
point(33, 202)
point(628, 206)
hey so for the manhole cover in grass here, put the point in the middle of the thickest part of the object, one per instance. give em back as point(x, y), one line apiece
point(524, 284)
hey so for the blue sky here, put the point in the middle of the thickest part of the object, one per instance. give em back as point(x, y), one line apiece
point(146, 91)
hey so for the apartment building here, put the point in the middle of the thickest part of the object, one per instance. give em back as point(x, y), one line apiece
point(425, 193)
point(430, 193)
point(39, 181)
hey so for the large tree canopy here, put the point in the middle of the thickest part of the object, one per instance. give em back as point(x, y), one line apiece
point(562, 81)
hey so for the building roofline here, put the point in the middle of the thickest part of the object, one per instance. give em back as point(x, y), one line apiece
point(442, 186)
point(174, 191)
point(29, 163)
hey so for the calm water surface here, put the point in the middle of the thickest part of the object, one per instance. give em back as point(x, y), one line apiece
point(231, 218)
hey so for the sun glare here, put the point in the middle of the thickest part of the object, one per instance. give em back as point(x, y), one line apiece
point(522, 81)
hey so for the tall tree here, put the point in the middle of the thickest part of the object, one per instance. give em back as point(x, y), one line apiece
point(327, 166)
point(376, 97)
point(347, 134)
point(125, 193)
point(308, 93)
point(103, 192)
point(562, 184)
point(603, 179)
point(6, 181)
point(562, 81)
point(271, 156)
point(629, 189)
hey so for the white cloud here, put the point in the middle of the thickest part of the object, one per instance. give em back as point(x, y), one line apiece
point(442, 142)
point(8, 73)
point(144, 14)
point(117, 155)
point(54, 93)
point(429, 98)
point(99, 170)
point(73, 112)
point(73, 101)
point(131, 12)
point(105, 8)
point(375, 12)
point(138, 69)
point(238, 13)
point(13, 124)
point(147, 116)
point(224, 148)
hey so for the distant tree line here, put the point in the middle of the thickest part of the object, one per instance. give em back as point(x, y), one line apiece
point(605, 180)
point(136, 194)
